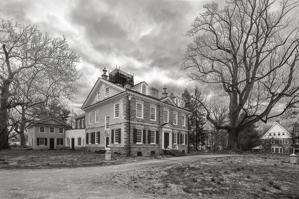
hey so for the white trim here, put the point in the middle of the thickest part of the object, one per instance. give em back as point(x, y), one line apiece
point(155, 107)
point(175, 115)
point(139, 102)
point(184, 120)
point(95, 117)
point(166, 109)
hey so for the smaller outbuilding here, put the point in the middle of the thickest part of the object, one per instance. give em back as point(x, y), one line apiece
point(46, 133)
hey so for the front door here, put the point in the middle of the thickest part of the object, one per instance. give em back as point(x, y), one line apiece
point(73, 143)
point(107, 141)
point(166, 140)
point(52, 141)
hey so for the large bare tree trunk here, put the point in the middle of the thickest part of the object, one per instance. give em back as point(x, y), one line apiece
point(4, 115)
point(233, 142)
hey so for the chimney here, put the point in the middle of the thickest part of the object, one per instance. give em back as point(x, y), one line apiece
point(104, 76)
point(164, 94)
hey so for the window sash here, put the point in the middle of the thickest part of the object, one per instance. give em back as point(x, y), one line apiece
point(152, 137)
point(60, 130)
point(116, 110)
point(97, 116)
point(166, 115)
point(139, 110)
point(41, 129)
point(139, 136)
point(153, 113)
point(175, 118)
point(175, 138)
point(184, 120)
point(52, 129)
point(79, 141)
point(107, 122)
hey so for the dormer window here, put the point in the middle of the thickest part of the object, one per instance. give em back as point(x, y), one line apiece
point(143, 89)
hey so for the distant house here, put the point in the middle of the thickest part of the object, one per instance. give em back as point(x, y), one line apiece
point(75, 138)
point(277, 140)
point(46, 134)
point(133, 119)
point(296, 137)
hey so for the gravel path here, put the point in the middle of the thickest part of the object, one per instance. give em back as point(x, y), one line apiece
point(84, 182)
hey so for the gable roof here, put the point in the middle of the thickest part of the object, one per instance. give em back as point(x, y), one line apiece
point(276, 124)
point(168, 100)
point(98, 82)
point(49, 121)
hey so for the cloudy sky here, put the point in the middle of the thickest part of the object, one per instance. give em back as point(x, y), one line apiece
point(144, 37)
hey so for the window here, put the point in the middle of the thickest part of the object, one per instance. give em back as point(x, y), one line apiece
point(92, 138)
point(175, 117)
point(107, 92)
point(153, 110)
point(77, 124)
point(175, 138)
point(184, 120)
point(269, 134)
point(116, 136)
point(51, 129)
point(97, 116)
point(98, 139)
point(139, 136)
point(183, 139)
point(68, 141)
point(278, 134)
point(143, 89)
point(41, 141)
point(152, 137)
point(139, 110)
point(59, 141)
point(41, 129)
point(107, 122)
point(166, 115)
point(83, 123)
point(60, 130)
point(116, 110)
point(274, 134)
point(79, 141)
point(87, 138)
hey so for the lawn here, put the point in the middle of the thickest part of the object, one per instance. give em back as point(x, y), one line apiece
point(29, 159)
point(249, 176)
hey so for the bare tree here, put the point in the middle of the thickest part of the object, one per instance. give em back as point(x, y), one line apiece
point(33, 68)
point(250, 51)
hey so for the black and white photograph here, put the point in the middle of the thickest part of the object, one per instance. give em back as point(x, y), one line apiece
point(146, 99)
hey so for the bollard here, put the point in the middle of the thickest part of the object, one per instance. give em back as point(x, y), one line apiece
point(293, 158)
point(108, 154)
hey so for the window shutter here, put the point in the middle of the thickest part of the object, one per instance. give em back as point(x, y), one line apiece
point(144, 136)
point(119, 136)
point(179, 138)
point(87, 138)
point(37, 141)
point(149, 136)
point(157, 137)
point(186, 138)
point(134, 136)
point(173, 137)
point(46, 141)
point(99, 138)
point(112, 136)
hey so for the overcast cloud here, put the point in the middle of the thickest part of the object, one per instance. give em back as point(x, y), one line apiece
point(144, 37)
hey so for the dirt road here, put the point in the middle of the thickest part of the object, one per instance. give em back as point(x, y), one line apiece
point(84, 182)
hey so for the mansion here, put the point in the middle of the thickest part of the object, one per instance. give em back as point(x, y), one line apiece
point(131, 119)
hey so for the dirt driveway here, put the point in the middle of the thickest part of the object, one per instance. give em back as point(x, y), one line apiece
point(84, 182)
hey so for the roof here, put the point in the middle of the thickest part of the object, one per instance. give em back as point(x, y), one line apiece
point(47, 121)
point(273, 126)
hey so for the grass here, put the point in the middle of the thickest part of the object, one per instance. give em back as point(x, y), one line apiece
point(250, 176)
